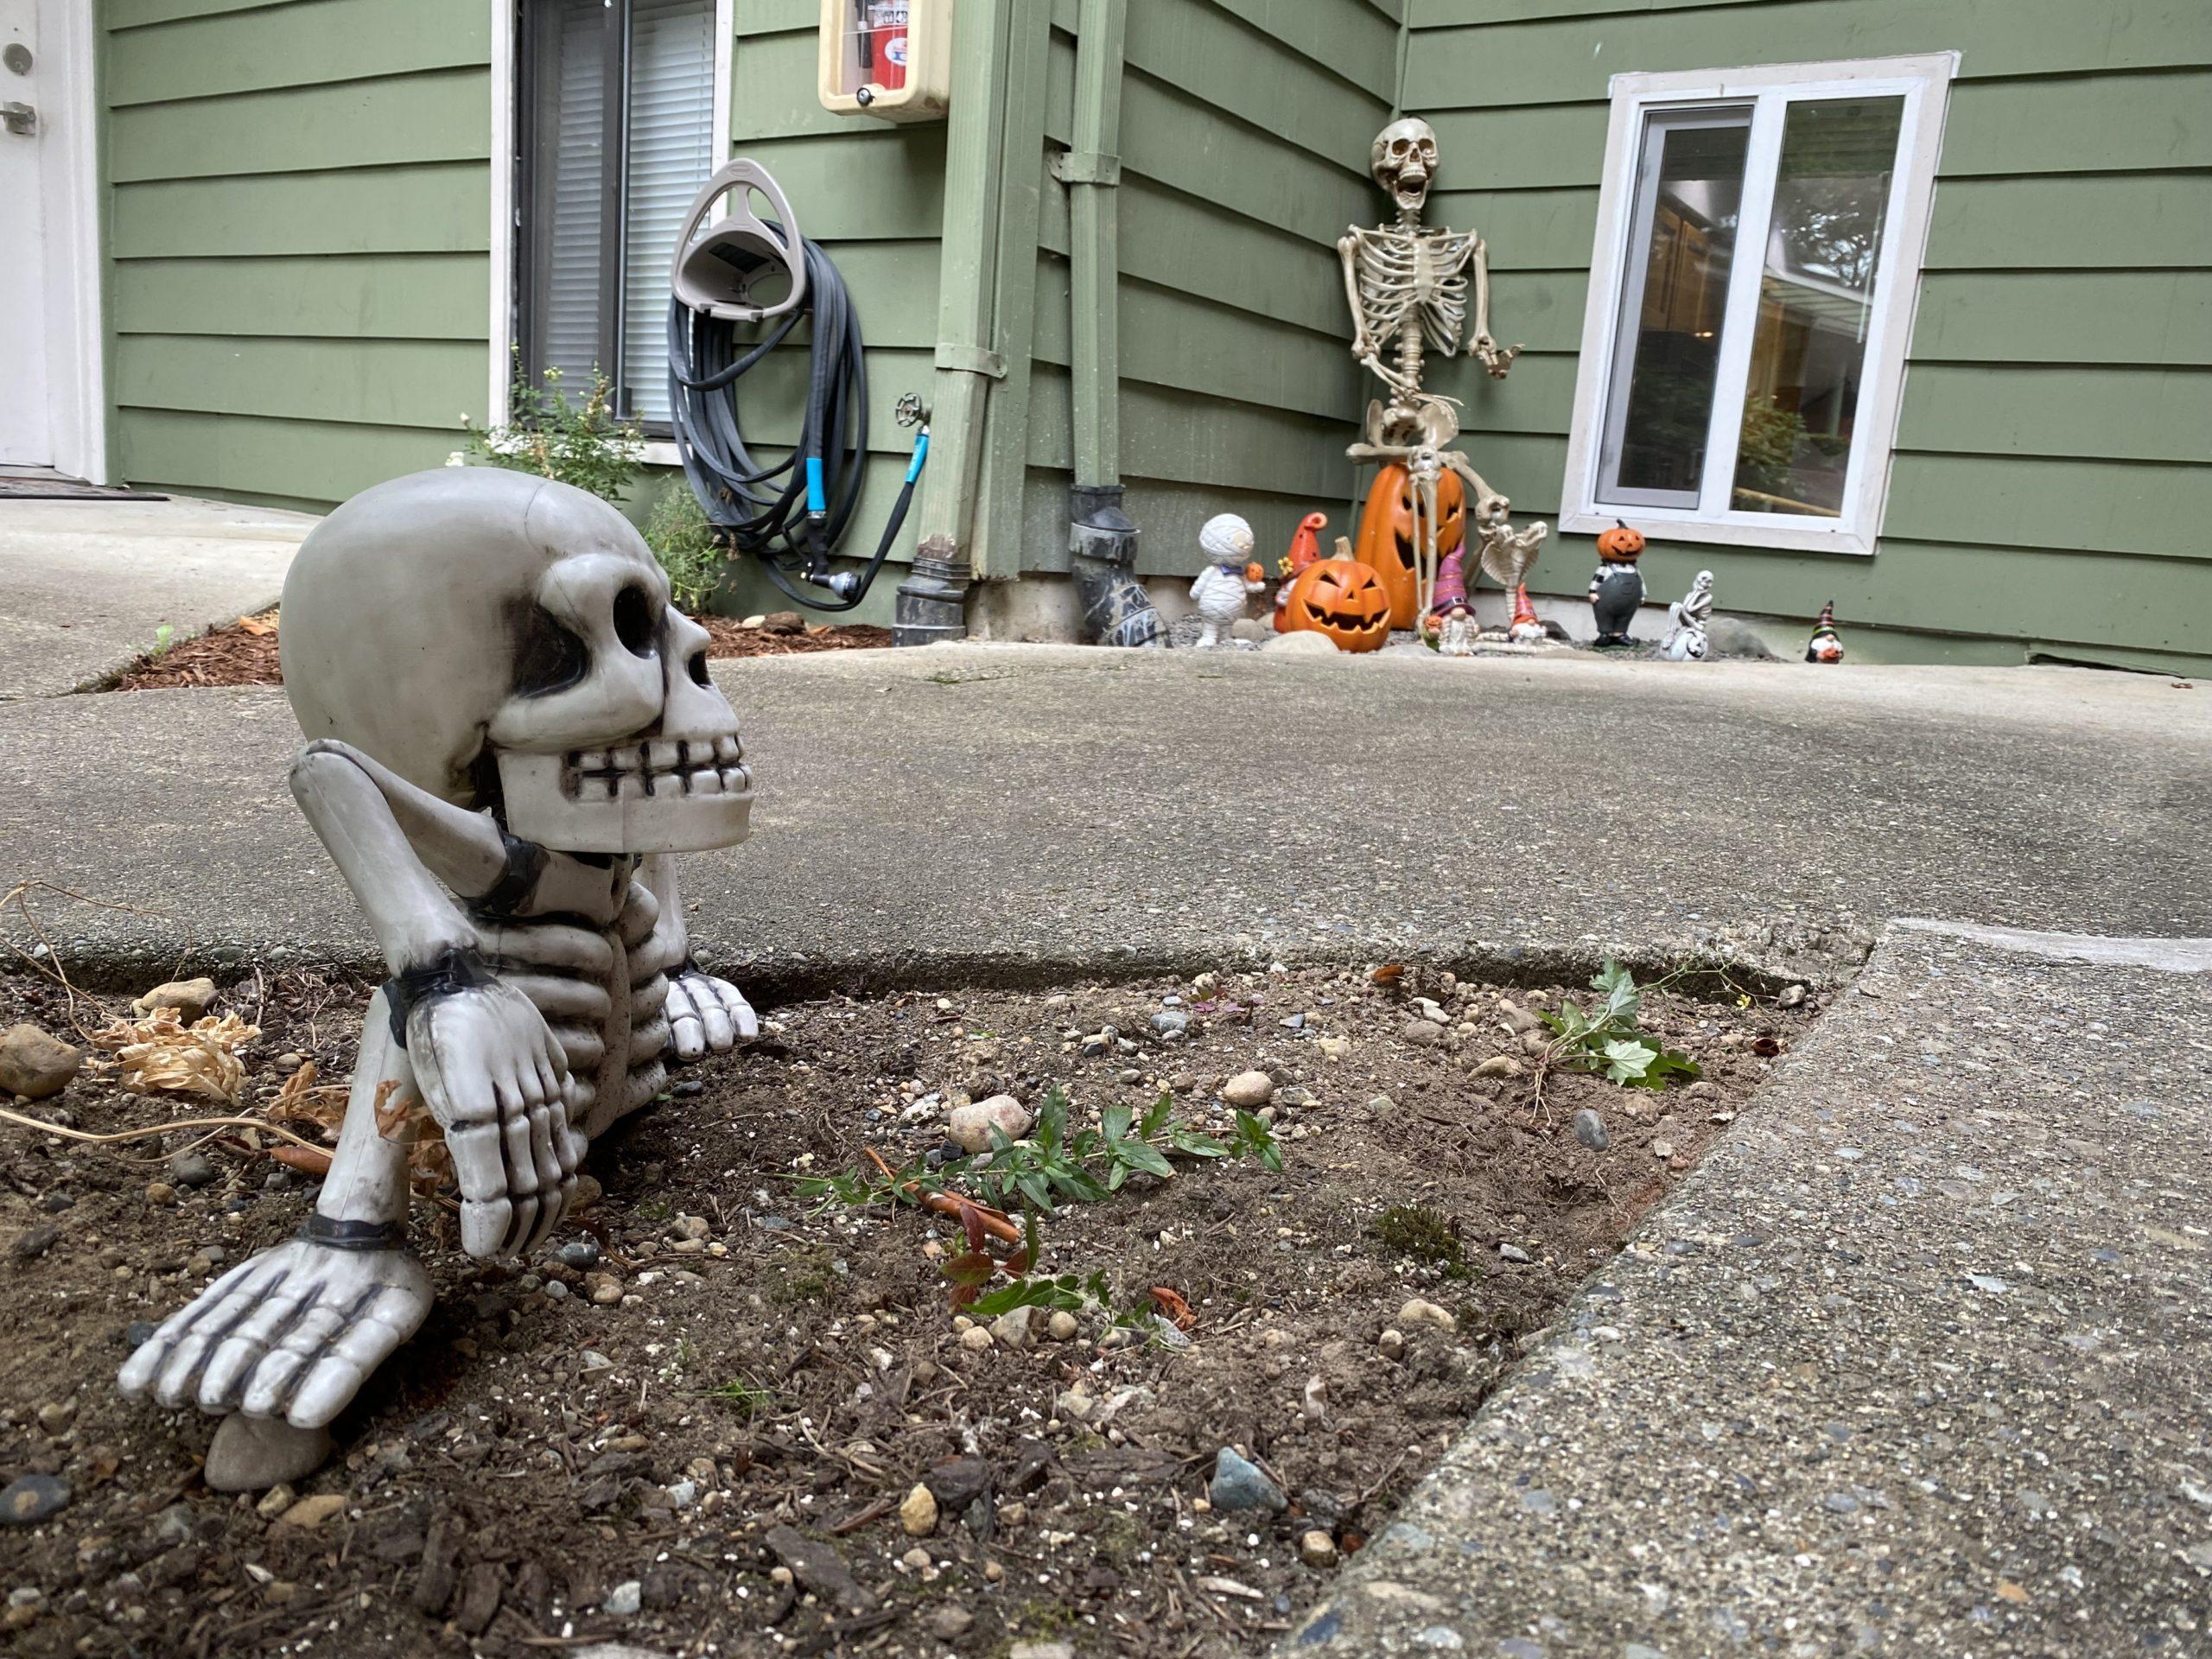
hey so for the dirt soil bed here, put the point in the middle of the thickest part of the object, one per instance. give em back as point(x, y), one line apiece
point(703, 1442)
point(245, 653)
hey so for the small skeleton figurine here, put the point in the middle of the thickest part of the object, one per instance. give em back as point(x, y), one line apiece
point(1827, 645)
point(1221, 588)
point(1686, 641)
point(510, 731)
point(1455, 628)
point(1407, 283)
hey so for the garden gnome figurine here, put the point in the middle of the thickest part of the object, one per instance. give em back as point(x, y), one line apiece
point(1526, 628)
point(1617, 586)
point(1686, 642)
point(1827, 645)
point(1229, 578)
point(1305, 549)
point(510, 733)
point(1454, 622)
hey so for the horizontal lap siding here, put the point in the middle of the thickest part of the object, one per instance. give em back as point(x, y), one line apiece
point(299, 234)
point(1245, 125)
point(2052, 456)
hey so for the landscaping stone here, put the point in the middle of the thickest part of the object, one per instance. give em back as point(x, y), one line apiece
point(1239, 1484)
point(971, 1125)
point(189, 997)
point(35, 1063)
point(1589, 1131)
point(30, 1499)
point(918, 1514)
point(1249, 1090)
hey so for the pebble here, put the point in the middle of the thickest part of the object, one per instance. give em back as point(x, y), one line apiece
point(1171, 1022)
point(606, 1289)
point(1426, 1033)
point(54, 1203)
point(35, 1064)
point(160, 1194)
point(917, 1515)
point(949, 1622)
point(975, 1338)
point(31, 1499)
point(55, 1417)
point(916, 1560)
point(1589, 1131)
point(249, 1455)
point(1512, 1253)
point(1391, 1345)
point(971, 1125)
point(1248, 1089)
point(1499, 1065)
point(1418, 1312)
point(1061, 1649)
point(1662, 1149)
point(1792, 996)
point(1240, 1483)
point(192, 1169)
point(189, 997)
point(624, 1600)
point(29, 1246)
point(311, 1512)
point(1317, 1549)
point(278, 1499)
point(1062, 1326)
point(556, 1290)
point(1012, 1327)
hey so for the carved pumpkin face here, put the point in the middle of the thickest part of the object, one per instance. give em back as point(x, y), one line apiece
point(1342, 599)
point(1620, 545)
point(1386, 541)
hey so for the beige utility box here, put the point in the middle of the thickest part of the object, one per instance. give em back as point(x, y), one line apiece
point(892, 58)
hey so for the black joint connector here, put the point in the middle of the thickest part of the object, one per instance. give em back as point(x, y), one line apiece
point(457, 970)
point(525, 862)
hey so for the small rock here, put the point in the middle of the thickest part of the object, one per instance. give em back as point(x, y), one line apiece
point(1500, 1065)
point(578, 1253)
point(782, 622)
point(1317, 1549)
point(249, 1455)
point(1424, 1034)
point(311, 1512)
point(1248, 1091)
point(949, 1622)
point(1417, 1312)
point(31, 1499)
point(819, 1568)
point(971, 1125)
point(1239, 1484)
point(956, 1484)
point(916, 1560)
point(1391, 1345)
point(29, 1246)
point(626, 1598)
point(975, 1338)
point(1512, 1253)
point(35, 1064)
point(1662, 1149)
point(160, 1194)
point(1171, 1022)
point(606, 1289)
point(54, 1203)
point(278, 1499)
point(55, 1417)
point(189, 997)
point(1012, 1327)
point(1792, 996)
point(1589, 1131)
point(190, 1169)
point(917, 1515)
point(1062, 1326)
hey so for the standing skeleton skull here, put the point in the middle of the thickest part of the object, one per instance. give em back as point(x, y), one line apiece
point(511, 731)
point(1407, 285)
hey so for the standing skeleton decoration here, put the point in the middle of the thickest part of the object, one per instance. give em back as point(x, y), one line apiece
point(509, 732)
point(1407, 287)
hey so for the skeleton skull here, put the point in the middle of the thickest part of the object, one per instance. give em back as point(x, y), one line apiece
point(1403, 161)
point(505, 641)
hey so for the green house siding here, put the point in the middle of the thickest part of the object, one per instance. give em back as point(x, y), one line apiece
point(2051, 472)
point(298, 225)
point(1244, 129)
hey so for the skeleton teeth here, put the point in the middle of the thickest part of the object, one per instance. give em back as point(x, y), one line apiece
point(728, 751)
point(663, 756)
point(589, 760)
point(736, 780)
point(704, 782)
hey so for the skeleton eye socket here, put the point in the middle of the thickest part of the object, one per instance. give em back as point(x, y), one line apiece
point(548, 656)
point(634, 621)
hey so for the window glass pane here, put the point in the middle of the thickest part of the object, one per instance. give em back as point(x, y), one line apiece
point(568, 203)
point(672, 151)
point(1682, 241)
point(1816, 297)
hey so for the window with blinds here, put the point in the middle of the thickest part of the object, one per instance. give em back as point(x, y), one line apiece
point(615, 110)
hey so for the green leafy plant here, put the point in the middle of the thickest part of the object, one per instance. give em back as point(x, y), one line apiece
point(749, 1398)
point(164, 637)
point(684, 540)
point(1607, 1041)
point(582, 444)
point(1418, 1232)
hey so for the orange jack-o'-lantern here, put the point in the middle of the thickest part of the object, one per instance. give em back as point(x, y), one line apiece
point(1387, 539)
point(1342, 599)
point(1620, 545)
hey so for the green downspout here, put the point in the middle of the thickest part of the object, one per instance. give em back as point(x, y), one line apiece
point(931, 600)
point(1101, 540)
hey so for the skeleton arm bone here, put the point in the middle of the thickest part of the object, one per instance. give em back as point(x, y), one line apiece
point(1493, 358)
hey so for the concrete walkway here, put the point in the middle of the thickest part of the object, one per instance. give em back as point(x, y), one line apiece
point(1915, 1362)
point(1011, 811)
point(88, 583)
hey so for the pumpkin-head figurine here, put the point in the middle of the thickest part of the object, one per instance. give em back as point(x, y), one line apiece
point(1342, 600)
point(1827, 645)
point(1617, 586)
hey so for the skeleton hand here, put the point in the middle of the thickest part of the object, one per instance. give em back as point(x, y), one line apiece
point(496, 1080)
point(707, 1015)
point(1493, 358)
point(291, 1333)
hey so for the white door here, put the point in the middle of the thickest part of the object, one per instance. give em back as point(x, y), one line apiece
point(26, 425)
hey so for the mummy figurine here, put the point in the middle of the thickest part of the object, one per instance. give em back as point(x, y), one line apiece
point(510, 731)
point(1229, 578)
point(1686, 641)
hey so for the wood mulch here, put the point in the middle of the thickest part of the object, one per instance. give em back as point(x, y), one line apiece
point(245, 653)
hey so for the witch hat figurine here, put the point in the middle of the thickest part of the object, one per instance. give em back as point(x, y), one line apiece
point(1827, 645)
point(1617, 586)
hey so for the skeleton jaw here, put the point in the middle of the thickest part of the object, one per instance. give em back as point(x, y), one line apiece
point(664, 796)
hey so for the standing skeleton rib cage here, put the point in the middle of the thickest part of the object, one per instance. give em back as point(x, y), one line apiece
point(1407, 285)
point(510, 733)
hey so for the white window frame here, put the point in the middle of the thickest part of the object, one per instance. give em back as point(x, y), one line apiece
point(659, 452)
point(1923, 82)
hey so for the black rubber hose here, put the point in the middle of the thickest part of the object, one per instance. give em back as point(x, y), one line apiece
point(761, 507)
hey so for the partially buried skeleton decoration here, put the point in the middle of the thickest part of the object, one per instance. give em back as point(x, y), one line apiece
point(1407, 284)
point(510, 731)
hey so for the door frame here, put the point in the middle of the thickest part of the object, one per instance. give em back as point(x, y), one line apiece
point(69, 192)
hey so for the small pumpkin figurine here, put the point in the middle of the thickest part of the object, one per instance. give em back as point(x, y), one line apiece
point(1617, 586)
point(1386, 541)
point(1342, 600)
